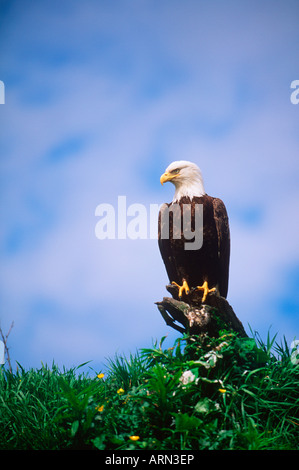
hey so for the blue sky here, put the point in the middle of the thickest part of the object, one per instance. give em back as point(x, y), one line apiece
point(100, 97)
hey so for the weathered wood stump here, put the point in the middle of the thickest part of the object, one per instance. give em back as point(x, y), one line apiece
point(197, 318)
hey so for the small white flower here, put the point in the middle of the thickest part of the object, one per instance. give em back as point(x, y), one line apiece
point(295, 353)
point(211, 359)
point(187, 377)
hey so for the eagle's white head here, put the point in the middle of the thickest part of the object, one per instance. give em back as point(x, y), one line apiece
point(187, 178)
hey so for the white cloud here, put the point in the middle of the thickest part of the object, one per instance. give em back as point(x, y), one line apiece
point(228, 109)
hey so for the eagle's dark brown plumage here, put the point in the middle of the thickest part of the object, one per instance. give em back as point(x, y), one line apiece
point(209, 263)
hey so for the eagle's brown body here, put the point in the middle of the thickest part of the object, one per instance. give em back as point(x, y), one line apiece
point(209, 263)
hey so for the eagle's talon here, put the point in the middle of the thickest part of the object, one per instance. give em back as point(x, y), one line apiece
point(206, 290)
point(182, 288)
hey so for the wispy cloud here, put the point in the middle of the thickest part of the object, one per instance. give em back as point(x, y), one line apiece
point(98, 101)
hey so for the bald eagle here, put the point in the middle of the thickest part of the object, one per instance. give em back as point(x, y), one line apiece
point(206, 268)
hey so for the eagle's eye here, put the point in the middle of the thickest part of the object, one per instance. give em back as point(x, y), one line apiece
point(175, 172)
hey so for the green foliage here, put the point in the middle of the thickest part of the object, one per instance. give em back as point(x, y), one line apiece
point(126, 372)
point(215, 393)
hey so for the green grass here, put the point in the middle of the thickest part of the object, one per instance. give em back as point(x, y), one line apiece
point(220, 393)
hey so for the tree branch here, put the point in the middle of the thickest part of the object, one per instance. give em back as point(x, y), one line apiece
point(197, 318)
point(6, 349)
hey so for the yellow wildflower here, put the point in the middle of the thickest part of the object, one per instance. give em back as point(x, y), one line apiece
point(134, 438)
point(120, 391)
point(100, 376)
point(222, 390)
point(100, 408)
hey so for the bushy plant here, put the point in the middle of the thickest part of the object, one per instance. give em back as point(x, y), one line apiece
point(210, 393)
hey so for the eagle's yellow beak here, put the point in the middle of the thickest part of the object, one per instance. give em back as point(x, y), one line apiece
point(166, 177)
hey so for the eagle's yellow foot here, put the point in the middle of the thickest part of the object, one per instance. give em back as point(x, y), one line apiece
point(206, 290)
point(182, 288)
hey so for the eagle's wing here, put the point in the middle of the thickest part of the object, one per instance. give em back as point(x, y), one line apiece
point(165, 246)
point(222, 226)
